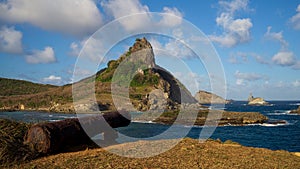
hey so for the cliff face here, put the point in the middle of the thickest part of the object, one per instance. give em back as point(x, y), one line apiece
point(204, 97)
point(142, 51)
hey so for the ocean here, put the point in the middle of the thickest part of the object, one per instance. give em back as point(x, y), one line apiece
point(271, 136)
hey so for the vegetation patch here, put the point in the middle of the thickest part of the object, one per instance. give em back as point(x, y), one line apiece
point(11, 87)
point(12, 149)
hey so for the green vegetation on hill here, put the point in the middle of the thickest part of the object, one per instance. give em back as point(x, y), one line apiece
point(147, 78)
point(41, 101)
point(9, 87)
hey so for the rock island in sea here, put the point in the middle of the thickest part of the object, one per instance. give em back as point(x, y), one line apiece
point(257, 101)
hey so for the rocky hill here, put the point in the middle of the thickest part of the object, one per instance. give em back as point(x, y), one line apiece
point(149, 81)
point(204, 97)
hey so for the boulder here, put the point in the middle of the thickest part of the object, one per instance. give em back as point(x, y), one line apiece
point(52, 137)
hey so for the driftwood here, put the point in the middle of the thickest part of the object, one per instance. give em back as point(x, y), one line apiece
point(50, 137)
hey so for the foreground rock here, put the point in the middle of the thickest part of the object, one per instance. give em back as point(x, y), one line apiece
point(204, 97)
point(189, 153)
point(52, 137)
point(297, 111)
point(257, 101)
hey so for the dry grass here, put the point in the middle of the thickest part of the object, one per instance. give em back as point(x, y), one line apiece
point(188, 153)
point(12, 149)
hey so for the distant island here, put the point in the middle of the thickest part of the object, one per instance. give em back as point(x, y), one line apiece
point(258, 101)
point(205, 97)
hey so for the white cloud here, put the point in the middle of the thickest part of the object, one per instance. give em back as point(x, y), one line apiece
point(10, 40)
point(169, 19)
point(238, 58)
point(121, 8)
point(284, 58)
point(259, 58)
point(172, 48)
point(41, 56)
point(79, 17)
point(277, 36)
point(240, 82)
point(242, 78)
point(242, 57)
point(296, 83)
point(75, 48)
point(52, 79)
point(79, 74)
point(91, 49)
point(295, 20)
point(235, 31)
point(233, 6)
point(248, 76)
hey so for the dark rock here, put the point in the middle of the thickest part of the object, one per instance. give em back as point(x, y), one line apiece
point(51, 137)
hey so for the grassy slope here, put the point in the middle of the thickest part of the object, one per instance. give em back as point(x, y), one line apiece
point(188, 153)
point(11, 87)
point(41, 99)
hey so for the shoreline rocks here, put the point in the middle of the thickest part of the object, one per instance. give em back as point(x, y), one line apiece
point(297, 111)
point(228, 118)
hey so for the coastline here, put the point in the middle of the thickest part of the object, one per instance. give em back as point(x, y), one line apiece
point(168, 118)
point(146, 122)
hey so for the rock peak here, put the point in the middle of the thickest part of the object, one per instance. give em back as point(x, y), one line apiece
point(140, 44)
point(142, 53)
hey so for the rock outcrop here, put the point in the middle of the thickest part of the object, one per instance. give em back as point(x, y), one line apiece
point(228, 118)
point(204, 97)
point(256, 101)
point(137, 66)
point(297, 111)
point(140, 53)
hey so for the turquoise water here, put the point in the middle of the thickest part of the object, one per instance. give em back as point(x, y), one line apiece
point(275, 137)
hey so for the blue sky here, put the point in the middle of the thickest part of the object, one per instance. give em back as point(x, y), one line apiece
point(257, 41)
